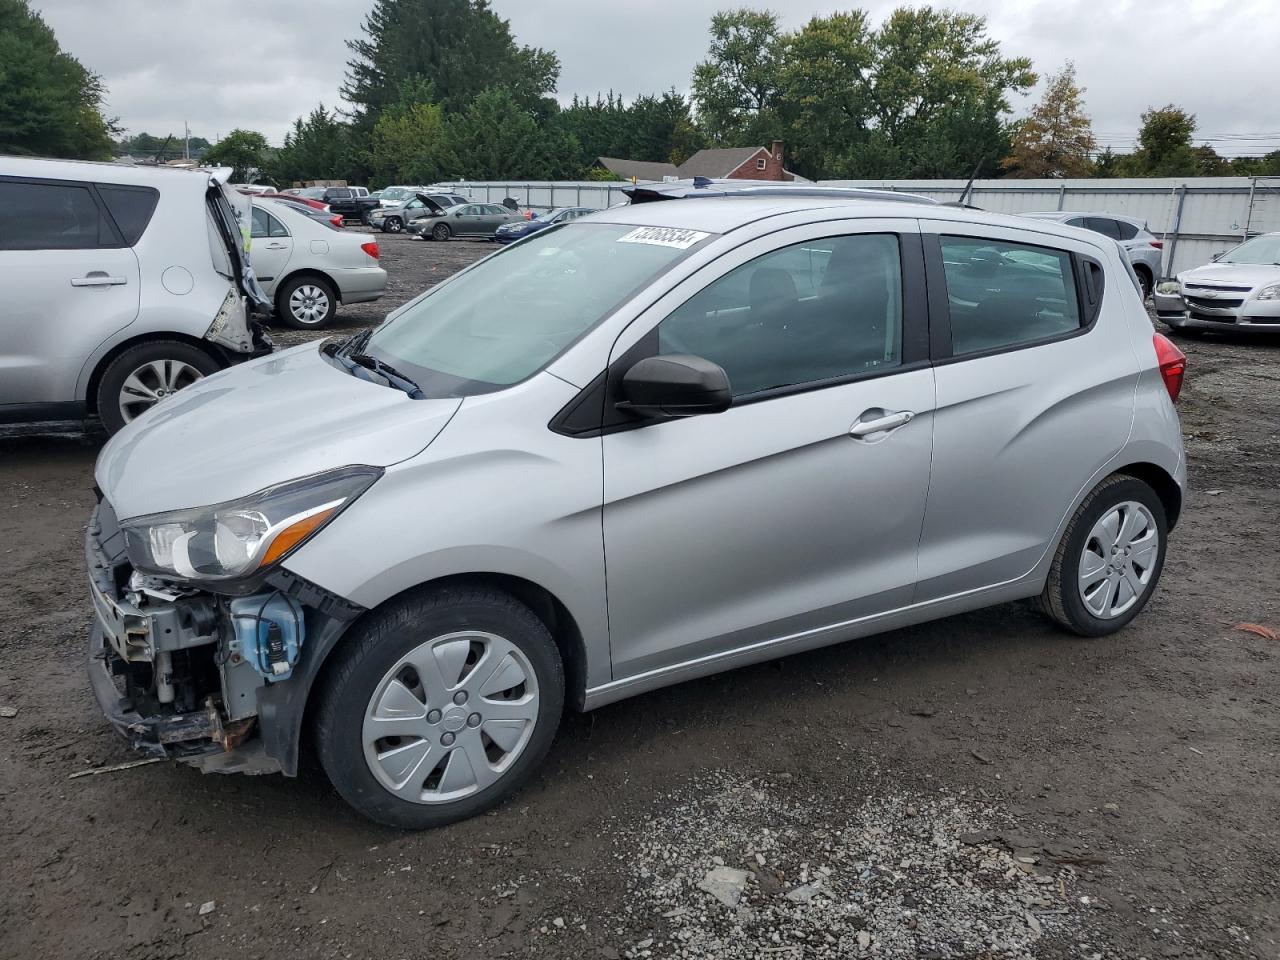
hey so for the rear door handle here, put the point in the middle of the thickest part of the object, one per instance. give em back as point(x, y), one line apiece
point(98, 280)
point(881, 424)
point(275, 246)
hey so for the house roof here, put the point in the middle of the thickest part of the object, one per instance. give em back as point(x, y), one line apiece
point(717, 163)
point(640, 169)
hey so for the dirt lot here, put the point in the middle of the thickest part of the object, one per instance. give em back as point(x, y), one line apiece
point(980, 787)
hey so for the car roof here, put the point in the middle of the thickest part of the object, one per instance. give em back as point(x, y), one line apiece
point(149, 175)
point(726, 213)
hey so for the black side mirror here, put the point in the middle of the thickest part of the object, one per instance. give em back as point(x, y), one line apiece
point(676, 385)
point(1217, 256)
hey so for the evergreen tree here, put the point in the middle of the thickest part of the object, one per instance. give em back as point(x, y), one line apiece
point(50, 105)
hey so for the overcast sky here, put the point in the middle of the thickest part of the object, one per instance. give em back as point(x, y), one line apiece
point(260, 64)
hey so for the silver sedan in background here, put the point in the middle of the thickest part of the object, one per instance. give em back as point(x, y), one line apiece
point(1145, 250)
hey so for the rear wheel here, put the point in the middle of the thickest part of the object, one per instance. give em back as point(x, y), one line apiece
point(1109, 560)
point(306, 302)
point(441, 231)
point(142, 376)
point(1146, 283)
point(439, 706)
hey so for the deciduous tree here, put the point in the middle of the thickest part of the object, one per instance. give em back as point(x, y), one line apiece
point(1056, 140)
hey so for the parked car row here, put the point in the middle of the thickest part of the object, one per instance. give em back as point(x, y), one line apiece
point(395, 217)
point(346, 201)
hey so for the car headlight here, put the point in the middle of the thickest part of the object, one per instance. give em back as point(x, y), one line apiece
point(1168, 287)
point(1269, 293)
point(234, 539)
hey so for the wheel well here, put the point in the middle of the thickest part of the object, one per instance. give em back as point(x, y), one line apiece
point(1142, 268)
point(91, 392)
point(305, 272)
point(548, 608)
point(1165, 486)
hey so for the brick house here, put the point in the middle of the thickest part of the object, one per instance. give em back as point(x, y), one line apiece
point(727, 163)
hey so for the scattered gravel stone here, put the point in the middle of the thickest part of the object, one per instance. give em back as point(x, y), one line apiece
point(208, 907)
point(848, 877)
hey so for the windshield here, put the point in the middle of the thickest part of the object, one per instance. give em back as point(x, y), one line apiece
point(395, 193)
point(510, 315)
point(1264, 249)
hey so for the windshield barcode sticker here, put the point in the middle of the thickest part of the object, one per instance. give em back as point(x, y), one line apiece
point(664, 237)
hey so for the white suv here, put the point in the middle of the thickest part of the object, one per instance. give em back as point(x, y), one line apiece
point(122, 285)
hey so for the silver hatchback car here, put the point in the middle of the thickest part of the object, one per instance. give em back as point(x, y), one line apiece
point(664, 440)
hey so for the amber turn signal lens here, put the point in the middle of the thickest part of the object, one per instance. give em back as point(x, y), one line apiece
point(294, 534)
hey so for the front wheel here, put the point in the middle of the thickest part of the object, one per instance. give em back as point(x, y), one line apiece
point(1109, 560)
point(392, 225)
point(441, 232)
point(439, 706)
point(142, 376)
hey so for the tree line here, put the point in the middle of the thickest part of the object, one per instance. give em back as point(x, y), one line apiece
point(441, 90)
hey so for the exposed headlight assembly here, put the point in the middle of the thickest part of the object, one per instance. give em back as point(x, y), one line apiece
point(232, 540)
point(1269, 293)
point(1168, 287)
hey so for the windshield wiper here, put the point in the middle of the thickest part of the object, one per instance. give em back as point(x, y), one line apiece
point(356, 342)
point(388, 373)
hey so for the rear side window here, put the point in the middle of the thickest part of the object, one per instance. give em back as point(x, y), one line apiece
point(1127, 230)
point(1103, 225)
point(1004, 294)
point(340, 193)
point(265, 225)
point(51, 216)
point(130, 207)
point(813, 311)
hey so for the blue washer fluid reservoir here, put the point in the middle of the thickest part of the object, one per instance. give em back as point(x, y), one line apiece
point(268, 633)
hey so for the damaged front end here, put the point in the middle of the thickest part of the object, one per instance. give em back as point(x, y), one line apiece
point(218, 681)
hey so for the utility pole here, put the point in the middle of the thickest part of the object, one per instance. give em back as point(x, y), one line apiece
point(186, 129)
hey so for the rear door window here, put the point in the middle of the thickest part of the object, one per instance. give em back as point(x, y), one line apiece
point(130, 207)
point(1103, 225)
point(51, 215)
point(1003, 294)
point(265, 225)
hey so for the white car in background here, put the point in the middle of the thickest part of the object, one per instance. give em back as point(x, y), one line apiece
point(1239, 290)
point(308, 266)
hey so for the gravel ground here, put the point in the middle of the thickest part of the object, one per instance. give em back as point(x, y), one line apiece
point(980, 787)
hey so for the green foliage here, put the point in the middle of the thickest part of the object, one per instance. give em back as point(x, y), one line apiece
point(736, 87)
point(496, 138)
point(924, 95)
point(601, 175)
point(408, 143)
point(50, 105)
point(244, 150)
point(315, 149)
point(653, 128)
point(459, 47)
point(160, 148)
point(1056, 140)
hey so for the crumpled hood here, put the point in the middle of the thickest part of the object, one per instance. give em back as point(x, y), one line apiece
point(274, 419)
point(1232, 274)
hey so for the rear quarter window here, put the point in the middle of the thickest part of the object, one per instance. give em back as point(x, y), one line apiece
point(1127, 230)
point(130, 207)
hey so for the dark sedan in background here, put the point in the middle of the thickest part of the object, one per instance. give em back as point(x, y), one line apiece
point(514, 231)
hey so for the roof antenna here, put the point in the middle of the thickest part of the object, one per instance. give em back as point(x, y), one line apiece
point(968, 187)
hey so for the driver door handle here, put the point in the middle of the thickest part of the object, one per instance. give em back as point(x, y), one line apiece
point(98, 280)
point(890, 421)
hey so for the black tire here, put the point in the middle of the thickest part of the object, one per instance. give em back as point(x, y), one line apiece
point(392, 225)
point(1061, 600)
point(1146, 283)
point(287, 290)
point(119, 370)
point(376, 644)
point(441, 232)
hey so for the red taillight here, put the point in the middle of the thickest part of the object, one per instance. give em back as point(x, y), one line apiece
point(336, 220)
point(371, 248)
point(1173, 365)
point(1158, 244)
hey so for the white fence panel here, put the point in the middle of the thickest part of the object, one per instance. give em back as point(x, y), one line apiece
point(1196, 217)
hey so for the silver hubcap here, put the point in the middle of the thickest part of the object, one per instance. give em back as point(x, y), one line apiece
point(451, 717)
point(1119, 560)
point(309, 304)
point(151, 383)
